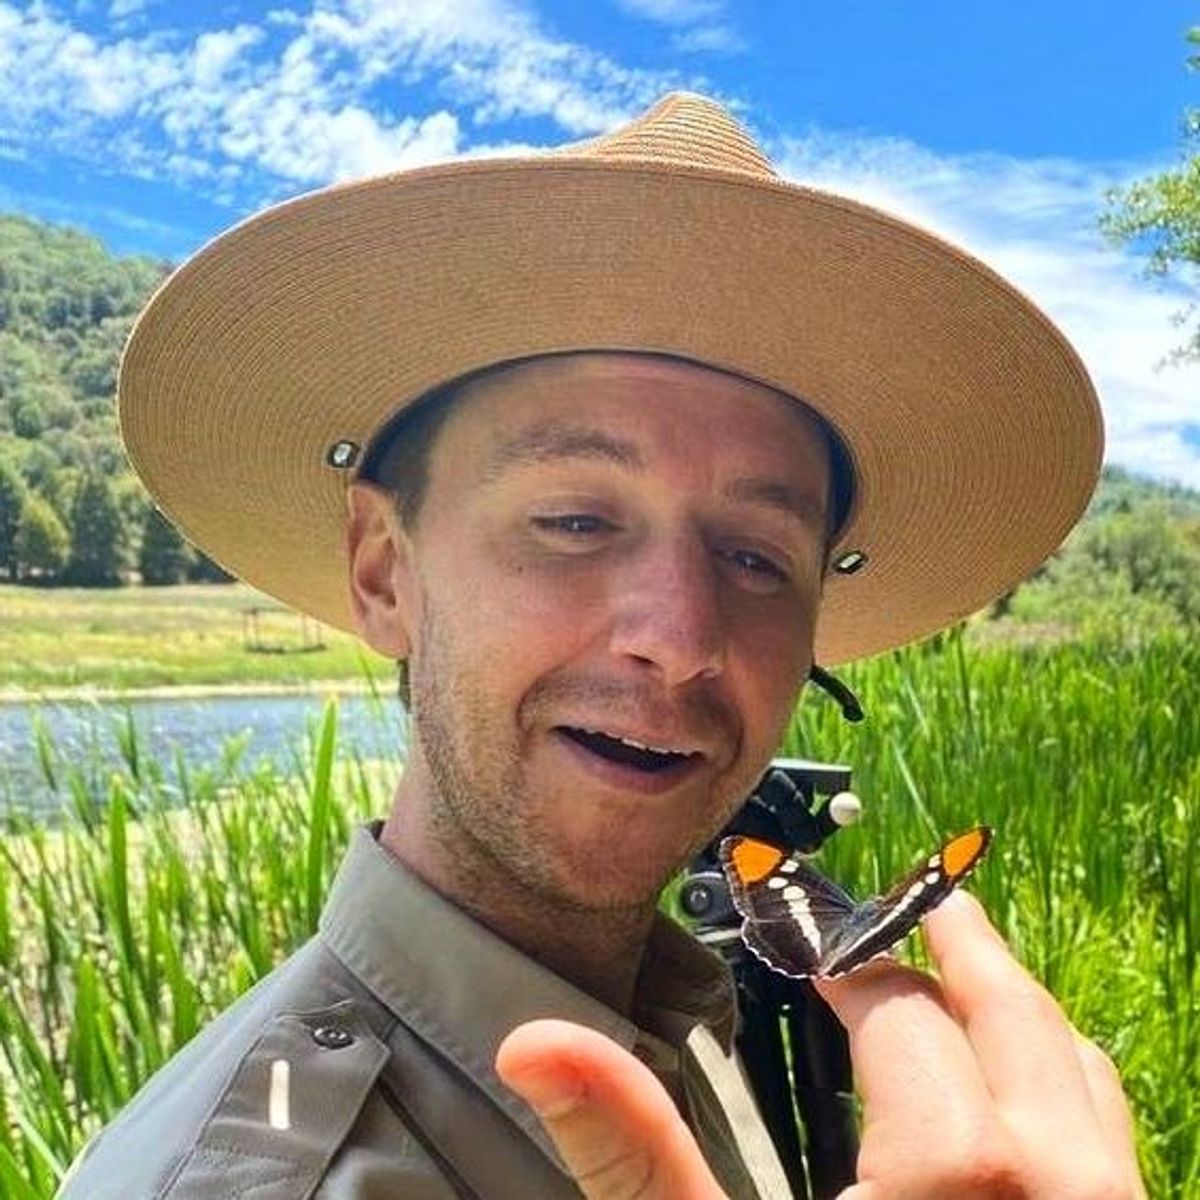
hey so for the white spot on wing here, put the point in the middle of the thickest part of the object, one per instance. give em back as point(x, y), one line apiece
point(279, 1101)
point(797, 899)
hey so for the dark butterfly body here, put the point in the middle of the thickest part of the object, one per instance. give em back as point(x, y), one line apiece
point(801, 924)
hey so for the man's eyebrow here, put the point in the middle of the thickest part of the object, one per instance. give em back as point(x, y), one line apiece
point(552, 441)
point(779, 496)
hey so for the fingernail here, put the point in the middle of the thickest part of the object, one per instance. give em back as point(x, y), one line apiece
point(551, 1094)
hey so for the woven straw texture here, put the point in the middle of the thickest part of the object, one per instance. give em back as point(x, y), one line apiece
point(974, 430)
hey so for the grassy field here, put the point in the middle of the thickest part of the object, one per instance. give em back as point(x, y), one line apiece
point(195, 635)
point(121, 933)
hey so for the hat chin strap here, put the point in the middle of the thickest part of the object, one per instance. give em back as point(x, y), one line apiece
point(852, 710)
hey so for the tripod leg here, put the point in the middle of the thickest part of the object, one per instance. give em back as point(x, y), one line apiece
point(824, 1090)
point(760, 1045)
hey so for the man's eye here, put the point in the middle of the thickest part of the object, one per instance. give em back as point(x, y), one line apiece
point(756, 564)
point(572, 523)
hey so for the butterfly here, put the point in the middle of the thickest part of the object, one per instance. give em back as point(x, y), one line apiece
point(801, 924)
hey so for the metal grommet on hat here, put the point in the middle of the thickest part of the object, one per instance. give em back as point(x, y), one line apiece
point(343, 454)
point(849, 563)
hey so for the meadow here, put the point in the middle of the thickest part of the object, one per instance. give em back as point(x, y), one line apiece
point(195, 635)
point(158, 897)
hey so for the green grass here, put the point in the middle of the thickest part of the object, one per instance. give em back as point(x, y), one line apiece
point(126, 928)
point(188, 636)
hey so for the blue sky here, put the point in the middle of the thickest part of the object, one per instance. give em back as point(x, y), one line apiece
point(156, 124)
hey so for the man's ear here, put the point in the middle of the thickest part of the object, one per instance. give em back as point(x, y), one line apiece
point(381, 574)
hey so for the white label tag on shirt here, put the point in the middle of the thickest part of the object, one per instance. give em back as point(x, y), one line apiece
point(279, 1114)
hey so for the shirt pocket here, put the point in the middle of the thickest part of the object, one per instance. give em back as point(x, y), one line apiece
point(288, 1107)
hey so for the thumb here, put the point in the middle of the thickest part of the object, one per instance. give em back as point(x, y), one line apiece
point(616, 1128)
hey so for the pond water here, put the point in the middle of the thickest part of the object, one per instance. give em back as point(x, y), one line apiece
point(194, 730)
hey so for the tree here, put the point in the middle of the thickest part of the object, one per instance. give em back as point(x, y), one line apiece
point(164, 557)
point(42, 541)
point(1152, 552)
point(97, 535)
point(204, 570)
point(1136, 568)
point(12, 500)
point(1160, 215)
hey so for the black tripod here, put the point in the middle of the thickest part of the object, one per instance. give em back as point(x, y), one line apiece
point(802, 1081)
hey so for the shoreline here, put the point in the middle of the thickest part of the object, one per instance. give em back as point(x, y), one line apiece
point(90, 693)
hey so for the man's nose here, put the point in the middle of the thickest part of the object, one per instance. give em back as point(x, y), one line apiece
point(669, 613)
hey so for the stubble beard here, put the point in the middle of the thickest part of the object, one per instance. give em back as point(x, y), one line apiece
point(480, 812)
point(496, 840)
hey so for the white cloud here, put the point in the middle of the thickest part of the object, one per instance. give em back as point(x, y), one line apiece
point(698, 26)
point(674, 12)
point(48, 66)
point(315, 146)
point(709, 39)
point(1035, 221)
point(119, 10)
point(297, 100)
point(489, 55)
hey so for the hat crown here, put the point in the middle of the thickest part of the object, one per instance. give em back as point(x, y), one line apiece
point(683, 129)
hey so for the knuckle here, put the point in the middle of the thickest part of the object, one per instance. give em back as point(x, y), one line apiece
point(1098, 1183)
point(990, 1165)
point(1028, 1001)
point(1096, 1060)
point(986, 1162)
point(628, 1175)
point(1111, 1179)
point(978, 1158)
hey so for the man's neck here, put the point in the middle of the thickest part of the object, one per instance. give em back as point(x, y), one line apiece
point(598, 951)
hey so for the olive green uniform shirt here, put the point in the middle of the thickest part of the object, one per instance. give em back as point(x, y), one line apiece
point(361, 1069)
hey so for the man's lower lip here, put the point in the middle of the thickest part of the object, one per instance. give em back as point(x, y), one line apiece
point(623, 777)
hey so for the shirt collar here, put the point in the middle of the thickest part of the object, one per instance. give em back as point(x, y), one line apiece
point(463, 989)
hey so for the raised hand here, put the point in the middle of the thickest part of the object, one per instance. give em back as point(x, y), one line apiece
point(973, 1085)
point(976, 1084)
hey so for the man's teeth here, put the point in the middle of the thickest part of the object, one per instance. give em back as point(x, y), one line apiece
point(636, 745)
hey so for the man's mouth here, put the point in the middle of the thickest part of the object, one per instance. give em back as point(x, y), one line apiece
point(626, 751)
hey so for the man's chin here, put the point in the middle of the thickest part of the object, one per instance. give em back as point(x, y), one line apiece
point(613, 878)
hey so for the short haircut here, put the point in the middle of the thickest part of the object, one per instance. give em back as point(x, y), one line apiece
point(399, 456)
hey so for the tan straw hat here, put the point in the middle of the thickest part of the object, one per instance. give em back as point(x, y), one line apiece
point(264, 366)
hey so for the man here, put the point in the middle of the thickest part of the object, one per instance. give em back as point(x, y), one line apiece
point(597, 444)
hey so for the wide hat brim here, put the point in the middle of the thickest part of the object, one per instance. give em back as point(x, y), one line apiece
point(973, 428)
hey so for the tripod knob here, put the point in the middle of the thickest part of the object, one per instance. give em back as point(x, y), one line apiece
point(845, 809)
point(704, 896)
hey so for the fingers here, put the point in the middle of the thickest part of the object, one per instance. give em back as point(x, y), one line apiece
point(1104, 1083)
point(983, 1073)
point(1108, 1099)
point(616, 1128)
point(1022, 1041)
point(910, 1055)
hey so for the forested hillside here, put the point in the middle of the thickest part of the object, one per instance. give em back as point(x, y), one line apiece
point(66, 306)
point(71, 512)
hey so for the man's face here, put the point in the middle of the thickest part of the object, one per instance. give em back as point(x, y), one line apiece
point(612, 586)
